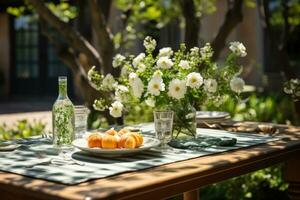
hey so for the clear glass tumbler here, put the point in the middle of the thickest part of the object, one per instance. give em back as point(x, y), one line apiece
point(81, 117)
point(163, 121)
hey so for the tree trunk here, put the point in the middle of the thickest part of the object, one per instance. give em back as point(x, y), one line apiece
point(104, 43)
point(192, 23)
point(233, 17)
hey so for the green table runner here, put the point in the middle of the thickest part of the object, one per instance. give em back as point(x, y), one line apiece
point(21, 160)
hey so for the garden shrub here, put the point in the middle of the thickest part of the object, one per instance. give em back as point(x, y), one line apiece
point(21, 129)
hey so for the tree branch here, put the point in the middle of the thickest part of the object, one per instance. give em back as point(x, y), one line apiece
point(68, 57)
point(73, 38)
point(192, 23)
point(99, 15)
point(63, 51)
point(233, 17)
point(286, 28)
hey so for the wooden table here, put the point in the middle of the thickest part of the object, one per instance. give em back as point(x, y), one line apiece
point(168, 180)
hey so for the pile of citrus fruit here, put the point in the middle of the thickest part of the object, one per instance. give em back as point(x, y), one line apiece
point(113, 139)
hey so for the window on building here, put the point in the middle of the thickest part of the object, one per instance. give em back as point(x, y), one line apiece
point(36, 65)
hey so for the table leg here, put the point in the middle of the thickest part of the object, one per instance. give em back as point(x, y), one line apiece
point(292, 176)
point(191, 195)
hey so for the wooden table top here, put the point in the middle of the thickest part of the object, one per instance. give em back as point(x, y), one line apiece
point(163, 181)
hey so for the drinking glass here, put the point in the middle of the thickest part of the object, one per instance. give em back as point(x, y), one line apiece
point(81, 116)
point(163, 121)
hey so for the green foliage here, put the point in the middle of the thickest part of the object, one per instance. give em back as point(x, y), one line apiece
point(16, 11)
point(277, 18)
point(21, 129)
point(265, 108)
point(139, 114)
point(97, 120)
point(63, 10)
point(250, 3)
point(260, 185)
point(153, 15)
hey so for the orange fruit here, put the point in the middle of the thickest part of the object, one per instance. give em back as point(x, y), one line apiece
point(137, 138)
point(111, 132)
point(140, 139)
point(94, 140)
point(109, 142)
point(130, 142)
point(123, 131)
point(118, 140)
point(122, 140)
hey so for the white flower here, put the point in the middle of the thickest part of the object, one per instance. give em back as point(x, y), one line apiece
point(137, 88)
point(108, 82)
point(165, 52)
point(141, 68)
point(136, 85)
point(177, 89)
point(125, 70)
point(150, 101)
point(164, 63)
point(194, 51)
point(121, 93)
point(149, 43)
point(210, 85)
point(194, 80)
point(237, 84)
point(118, 60)
point(206, 51)
point(184, 64)
point(116, 109)
point(132, 77)
point(122, 88)
point(155, 86)
point(137, 60)
point(295, 81)
point(287, 90)
point(238, 48)
point(157, 74)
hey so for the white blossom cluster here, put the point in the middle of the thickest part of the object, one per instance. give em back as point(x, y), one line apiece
point(169, 77)
point(118, 60)
point(292, 87)
point(149, 44)
point(238, 49)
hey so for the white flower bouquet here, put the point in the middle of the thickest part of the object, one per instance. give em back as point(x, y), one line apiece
point(177, 80)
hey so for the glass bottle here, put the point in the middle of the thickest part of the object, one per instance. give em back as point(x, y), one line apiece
point(63, 118)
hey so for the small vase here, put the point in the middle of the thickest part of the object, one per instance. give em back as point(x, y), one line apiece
point(63, 117)
point(184, 121)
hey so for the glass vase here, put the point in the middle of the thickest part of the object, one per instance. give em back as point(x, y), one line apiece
point(184, 121)
point(63, 118)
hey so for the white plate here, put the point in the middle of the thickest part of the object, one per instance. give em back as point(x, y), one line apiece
point(10, 147)
point(211, 115)
point(148, 144)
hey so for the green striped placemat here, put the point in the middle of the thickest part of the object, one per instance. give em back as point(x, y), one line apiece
point(20, 161)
